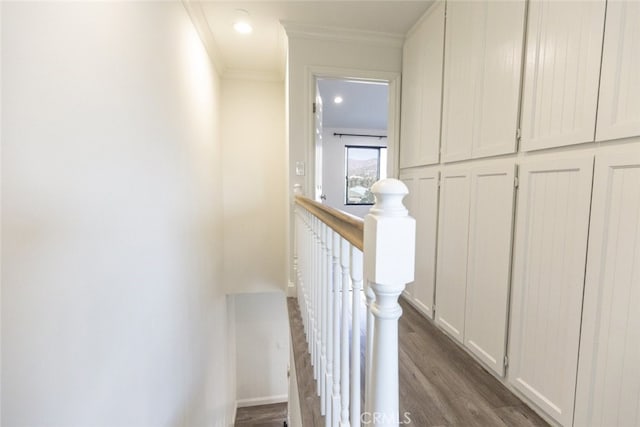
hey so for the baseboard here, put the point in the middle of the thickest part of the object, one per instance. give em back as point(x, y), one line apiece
point(257, 401)
point(291, 290)
point(235, 412)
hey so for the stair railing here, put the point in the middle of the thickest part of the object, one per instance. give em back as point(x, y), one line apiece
point(335, 254)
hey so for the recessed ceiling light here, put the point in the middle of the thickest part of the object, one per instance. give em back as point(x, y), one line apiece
point(337, 99)
point(242, 23)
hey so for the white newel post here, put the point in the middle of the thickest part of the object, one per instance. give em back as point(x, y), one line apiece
point(389, 250)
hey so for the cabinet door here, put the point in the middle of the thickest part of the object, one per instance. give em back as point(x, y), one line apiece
point(619, 102)
point(498, 92)
point(426, 197)
point(460, 72)
point(482, 78)
point(564, 44)
point(422, 90)
point(451, 280)
point(608, 390)
point(490, 233)
point(548, 281)
point(409, 201)
point(411, 103)
point(431, 32)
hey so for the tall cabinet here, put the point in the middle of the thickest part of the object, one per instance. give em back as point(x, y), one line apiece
point(533, 258)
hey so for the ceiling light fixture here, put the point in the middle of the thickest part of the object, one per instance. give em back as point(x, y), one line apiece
point(242, 23)
point(337, 99)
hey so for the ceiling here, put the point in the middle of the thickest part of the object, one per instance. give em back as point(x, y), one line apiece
point(264, 50)
point(364, 104)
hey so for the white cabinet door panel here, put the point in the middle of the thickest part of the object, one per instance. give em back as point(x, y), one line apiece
point(411, 104)
point(431, 33)
point(619, 102)
point(548, 280)
point(411, 205)
point(461, 64)
point(426, 197)
point(451, 271)
point(422, 91)
point(608, 390)
point(564, 45)
point(498, 94)
point(483, 58)
point(490, 233)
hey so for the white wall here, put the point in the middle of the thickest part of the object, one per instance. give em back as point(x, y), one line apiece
point(113, 309)
point(254, 171)
point(262, 348)
point(304, 53)
point(333, 165)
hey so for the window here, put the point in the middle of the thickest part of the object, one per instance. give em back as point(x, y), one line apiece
point(364, 166)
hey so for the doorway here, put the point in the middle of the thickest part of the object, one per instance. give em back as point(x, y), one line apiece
point(351, 138)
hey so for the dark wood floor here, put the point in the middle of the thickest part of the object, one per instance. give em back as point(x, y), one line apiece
point(440, 384)
point(262, 416)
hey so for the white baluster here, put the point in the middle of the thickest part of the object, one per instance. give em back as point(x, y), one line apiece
point(312, 281)
point(323, 325)
point(369, 349)
point(317, 315)
point(389, 247)
point(328, 237)
point(356, 281)
point(337, 284)
point(344, 346)
point(318, 281)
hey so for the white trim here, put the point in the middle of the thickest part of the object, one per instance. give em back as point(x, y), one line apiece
point(235, 413)
point(393, 119)
point(201, 24)
point(420, 20)
point(320, 32)
point(266, 400)
point(291, 290)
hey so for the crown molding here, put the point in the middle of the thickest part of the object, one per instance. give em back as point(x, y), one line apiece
point(201, 24)
point(319, 32)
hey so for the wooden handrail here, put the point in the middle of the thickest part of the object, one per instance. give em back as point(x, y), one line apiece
point(346, 225)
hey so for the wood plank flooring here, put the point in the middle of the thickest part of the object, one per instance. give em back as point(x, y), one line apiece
point(440, 384)
point(262, 416)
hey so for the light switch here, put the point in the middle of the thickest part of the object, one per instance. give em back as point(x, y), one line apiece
point(300, 168)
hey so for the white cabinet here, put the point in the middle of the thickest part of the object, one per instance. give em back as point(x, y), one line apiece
point(451, 268)
point(548, 280)
point(619, 102)
point(483, 58)
point(423, 206)
point(422, 91)
point(489, 261)
point(564, 46)
point(608, 391)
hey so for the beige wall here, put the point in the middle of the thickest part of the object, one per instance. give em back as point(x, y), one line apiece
point(113, 306)
point(254, 190)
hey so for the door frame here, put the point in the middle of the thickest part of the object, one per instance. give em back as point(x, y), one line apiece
point(393, 115)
